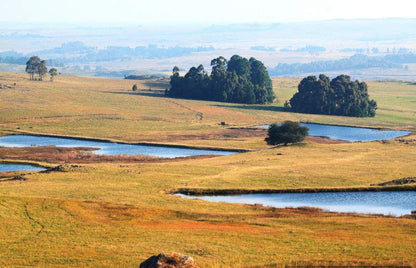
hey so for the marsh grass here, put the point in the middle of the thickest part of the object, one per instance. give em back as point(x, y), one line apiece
point(53, 154)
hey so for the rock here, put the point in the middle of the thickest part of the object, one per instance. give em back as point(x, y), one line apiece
point(169, 260)
point(19, 178)
point(399, 181)
point(62, 168)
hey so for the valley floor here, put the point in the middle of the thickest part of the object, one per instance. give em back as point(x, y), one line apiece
point(118, 213)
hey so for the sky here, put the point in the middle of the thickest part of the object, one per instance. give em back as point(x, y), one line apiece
point(171, 12)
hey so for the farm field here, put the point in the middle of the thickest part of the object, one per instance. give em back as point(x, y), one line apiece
point(118, 213)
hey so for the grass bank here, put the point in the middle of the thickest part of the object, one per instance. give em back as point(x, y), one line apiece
point(200, 192)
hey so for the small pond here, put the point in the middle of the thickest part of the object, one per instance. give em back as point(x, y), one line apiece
point(350, 133)
point(395, 203)
point(107, 148)
point(8, 167)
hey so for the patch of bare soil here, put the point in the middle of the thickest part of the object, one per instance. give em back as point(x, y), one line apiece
point(55, 154)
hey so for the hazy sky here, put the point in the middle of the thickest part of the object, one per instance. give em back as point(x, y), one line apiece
point(197, 11)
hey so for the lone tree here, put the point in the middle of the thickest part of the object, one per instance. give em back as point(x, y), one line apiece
point(36, 66)
point(134, 88)
point(53, 72)
point(288, 132)
point(32, 66)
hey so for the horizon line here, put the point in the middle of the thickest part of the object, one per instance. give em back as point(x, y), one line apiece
point(101, 24)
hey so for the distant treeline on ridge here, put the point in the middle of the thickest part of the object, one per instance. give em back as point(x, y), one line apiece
point(238, 80)
point(78, 52)
point(354, 62)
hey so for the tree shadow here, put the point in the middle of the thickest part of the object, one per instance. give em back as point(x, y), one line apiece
point(157, 84)
point(147, 93)
point(254, 107)
point(161, 94)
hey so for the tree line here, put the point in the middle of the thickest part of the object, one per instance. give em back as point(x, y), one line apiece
point(78, 52)
point(358, 61)
point(354, 62)
point(339, 96)
point(238, 80)
point(36, 68)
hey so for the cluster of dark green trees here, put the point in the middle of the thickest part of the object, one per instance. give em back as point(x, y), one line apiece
point(339, 96)
point(36, 68)
point(238, 80)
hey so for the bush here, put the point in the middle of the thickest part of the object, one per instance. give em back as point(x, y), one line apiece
point(288, 132)
point(134, 88)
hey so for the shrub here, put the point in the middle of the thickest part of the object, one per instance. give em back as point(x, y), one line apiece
point(288, 132)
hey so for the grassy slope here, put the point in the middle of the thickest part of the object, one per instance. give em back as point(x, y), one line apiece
point(119, 214)
point(105, 108)
point(116, 214)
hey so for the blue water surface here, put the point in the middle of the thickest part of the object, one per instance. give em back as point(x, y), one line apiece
point(7, 167)
point(395, 203)
point(350, 133)
point(107, 148)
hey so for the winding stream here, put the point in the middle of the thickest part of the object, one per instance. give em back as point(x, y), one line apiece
point(350, 133)
point(8, 167)
point(395, 203)
point(107, 148)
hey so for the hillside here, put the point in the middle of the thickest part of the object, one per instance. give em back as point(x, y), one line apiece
point(107, 108)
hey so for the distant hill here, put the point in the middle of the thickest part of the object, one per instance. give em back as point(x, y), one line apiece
point(308, 49)
point(129, 50)
point(78, 52)
point(357, 29)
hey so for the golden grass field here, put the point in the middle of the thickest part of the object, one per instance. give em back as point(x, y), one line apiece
point(117, 214)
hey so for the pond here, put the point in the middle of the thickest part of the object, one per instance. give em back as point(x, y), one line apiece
point(107, 148)
point(395, 203)
point(350, 133)
point(8, 167)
